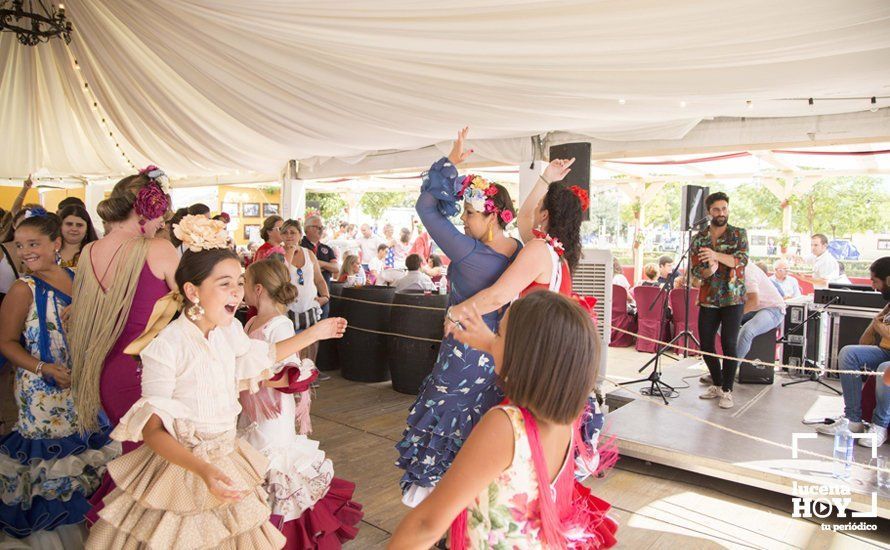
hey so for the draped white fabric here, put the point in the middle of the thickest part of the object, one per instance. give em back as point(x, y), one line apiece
point(207, 87)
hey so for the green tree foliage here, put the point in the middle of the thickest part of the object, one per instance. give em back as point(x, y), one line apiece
point(374, 204)
point(330, 205)
point(842, 206)
point(753, 206)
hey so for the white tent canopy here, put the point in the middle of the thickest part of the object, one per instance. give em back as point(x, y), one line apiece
point(218, 87)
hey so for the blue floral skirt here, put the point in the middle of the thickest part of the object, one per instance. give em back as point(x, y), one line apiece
point(452, 399)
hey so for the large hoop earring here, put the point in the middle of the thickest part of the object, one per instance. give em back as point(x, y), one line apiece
point(195, 312)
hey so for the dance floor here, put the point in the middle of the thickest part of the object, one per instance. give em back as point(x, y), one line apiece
point(657, 506)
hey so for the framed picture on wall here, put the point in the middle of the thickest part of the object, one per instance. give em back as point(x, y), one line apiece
point(252, 232)
point(250, 209)
point(270, 209)
point(230, 208)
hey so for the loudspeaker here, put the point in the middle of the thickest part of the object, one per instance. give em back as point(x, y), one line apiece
point(763, 347)
point(580, 174)
point(692, 207)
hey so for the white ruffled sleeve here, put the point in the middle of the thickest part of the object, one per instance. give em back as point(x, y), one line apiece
point(159, 371)
point(254, 359)
point(278, 329)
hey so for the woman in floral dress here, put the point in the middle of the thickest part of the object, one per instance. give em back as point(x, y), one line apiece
point(48, 468)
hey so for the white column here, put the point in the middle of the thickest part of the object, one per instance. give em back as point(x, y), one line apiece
point(94, 193)
point(293, 193)
point(528, 177)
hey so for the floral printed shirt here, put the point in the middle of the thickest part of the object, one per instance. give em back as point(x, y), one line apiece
point(726, 287)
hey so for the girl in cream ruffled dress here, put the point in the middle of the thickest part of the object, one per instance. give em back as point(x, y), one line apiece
point(194, 484)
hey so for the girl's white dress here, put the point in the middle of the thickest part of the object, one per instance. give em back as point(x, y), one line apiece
point(191, 383)
point(309, 505)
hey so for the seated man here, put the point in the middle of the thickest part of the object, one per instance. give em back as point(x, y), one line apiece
point(872, 353)
point(764, 310)
point(415, 279)
point(665, 270)
point(790, 286)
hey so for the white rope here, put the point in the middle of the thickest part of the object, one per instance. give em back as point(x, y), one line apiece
point(387, 304)
point(865, 372)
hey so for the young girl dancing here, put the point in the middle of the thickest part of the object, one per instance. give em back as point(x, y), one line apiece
point(310, 506)
point(545, 355)
point(194, 484)
point(48, 467)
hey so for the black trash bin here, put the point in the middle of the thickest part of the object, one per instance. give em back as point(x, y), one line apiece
point(327, 349)
point(362, 354)
point(411, 360)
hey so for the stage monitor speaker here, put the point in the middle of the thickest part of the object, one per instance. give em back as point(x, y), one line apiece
point(763, 347)
point(580, 174)
point(692, 207)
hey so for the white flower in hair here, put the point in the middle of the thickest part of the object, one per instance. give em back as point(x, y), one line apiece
point(198, 233)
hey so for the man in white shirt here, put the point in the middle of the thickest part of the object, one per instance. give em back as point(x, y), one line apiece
point(415, 279)
point(789, 285)
point(368, 244)
point(377, 264)
point(825, 267)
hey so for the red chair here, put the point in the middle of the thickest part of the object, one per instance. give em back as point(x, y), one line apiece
point(678, 312)
point(650, 318)
point(621, 319)
point(806, 287)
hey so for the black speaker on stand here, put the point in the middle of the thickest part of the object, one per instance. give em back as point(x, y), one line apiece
point(580, 174)
point(693, 214)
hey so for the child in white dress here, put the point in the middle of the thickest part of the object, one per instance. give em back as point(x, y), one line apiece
point(194, 484)
point(310, 506)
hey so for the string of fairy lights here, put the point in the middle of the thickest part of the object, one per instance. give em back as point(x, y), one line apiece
point(101, 115)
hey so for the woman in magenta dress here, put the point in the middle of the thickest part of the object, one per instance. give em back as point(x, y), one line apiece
point(122, 276)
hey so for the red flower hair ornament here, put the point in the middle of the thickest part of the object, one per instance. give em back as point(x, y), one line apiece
point(583, 196)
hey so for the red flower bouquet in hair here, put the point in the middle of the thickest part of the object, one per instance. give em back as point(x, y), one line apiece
point(583, 196)
point(151, 202)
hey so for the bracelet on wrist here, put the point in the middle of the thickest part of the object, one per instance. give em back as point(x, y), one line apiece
point(545, 179)
point(39, 369)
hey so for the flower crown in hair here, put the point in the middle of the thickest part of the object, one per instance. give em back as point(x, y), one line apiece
point(582, 195)
point(480, 193)
point(198, 233)
point(151, 201)
point(36, 212)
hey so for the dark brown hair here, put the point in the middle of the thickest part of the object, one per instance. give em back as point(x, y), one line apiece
point(119, 204)
point(80, 212)
point(268, 225)
point(564, 222)
point(551, 354)
point(13, 219)
point(412, 262)
point(195, 267)
point(48, 224)
point(822, 238)
point(198, 209)
point(275, 278)
point(502, 201)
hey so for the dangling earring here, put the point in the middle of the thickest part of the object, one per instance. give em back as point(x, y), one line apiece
point(490, 233)
point(195, 312)
point(142, 226)
point(58, 257)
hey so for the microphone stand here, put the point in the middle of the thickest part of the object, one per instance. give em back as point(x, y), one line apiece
point(654, 379)
point(811, 376)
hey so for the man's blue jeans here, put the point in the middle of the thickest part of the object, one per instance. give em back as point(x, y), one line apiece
point(761, 321)
point(871, 358)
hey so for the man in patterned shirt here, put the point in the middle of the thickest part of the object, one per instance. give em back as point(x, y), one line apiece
point(719, 257)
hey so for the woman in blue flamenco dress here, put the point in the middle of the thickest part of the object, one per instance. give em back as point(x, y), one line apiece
point(47, 468)
point(462, 386)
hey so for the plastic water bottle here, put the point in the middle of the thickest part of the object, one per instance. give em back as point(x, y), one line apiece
point(843, 450)
point(443, 285)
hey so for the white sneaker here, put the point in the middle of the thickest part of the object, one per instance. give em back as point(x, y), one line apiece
point(880, 436)
point(830, 429)
point(706, 380)
point(713, 392)
point(726, 400)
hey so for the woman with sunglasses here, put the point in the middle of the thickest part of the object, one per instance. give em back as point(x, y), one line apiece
point(305, 274)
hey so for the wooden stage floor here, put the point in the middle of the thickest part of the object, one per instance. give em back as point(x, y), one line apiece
point(657, 506)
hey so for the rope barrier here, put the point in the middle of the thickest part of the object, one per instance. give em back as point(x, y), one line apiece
point(381, 333)
point(387, 304)
point(754, 361)
point(741, 434)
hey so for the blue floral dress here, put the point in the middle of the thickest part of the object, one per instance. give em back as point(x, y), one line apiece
point(48, 468)
point(462, 386)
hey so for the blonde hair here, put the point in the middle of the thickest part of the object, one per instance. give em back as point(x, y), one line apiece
point(349, 261)
point(650, 271)
point(272, 275)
